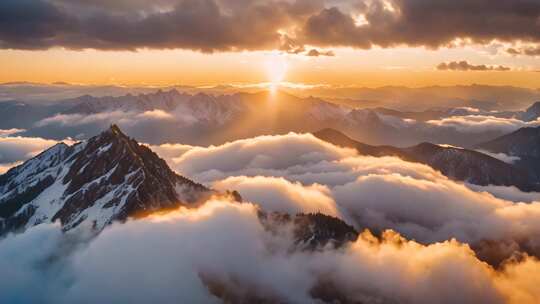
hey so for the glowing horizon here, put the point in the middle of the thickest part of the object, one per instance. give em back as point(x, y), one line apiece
point(349, 67)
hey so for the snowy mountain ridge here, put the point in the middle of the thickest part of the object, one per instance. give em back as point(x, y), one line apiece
point(107, 178)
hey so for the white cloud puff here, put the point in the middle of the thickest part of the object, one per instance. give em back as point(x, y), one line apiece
point(482, 123)
point(120, 117)
point(501, 156)
point(281, 195)
point(507, 193)
point(14, 149)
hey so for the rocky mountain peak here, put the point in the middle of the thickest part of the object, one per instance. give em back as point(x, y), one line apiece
point(109, 177)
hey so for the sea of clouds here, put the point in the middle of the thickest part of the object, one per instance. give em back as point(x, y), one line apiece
point(432, 240)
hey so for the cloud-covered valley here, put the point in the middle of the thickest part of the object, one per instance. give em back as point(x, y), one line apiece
point(429, 236)
point(368, 192)
point(187, 256)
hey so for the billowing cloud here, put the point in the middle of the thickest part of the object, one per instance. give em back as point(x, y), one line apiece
point(376, 193)
point(14, 149)
point(482, 123)
point(222, 249)
point(207, 25)
point(508, 193)
point(412, 22)
point(263, 154)
point(278, 194)
point(120, 117)
point(466, 66)
point(155, 114)
point(170, 151)
point(80, 119)
point(224, 25)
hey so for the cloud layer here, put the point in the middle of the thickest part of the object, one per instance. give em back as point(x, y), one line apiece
point(482, 123)
point(222, 249)
point(368, 192)
point(224, 25)
point(14, 149)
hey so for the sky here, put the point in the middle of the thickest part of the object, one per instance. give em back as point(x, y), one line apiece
point(369, 43)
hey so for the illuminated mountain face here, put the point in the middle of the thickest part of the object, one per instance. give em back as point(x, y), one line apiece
point(107, 178)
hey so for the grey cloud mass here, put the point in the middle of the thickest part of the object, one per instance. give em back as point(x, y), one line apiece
point(225, 25)
point(466, 66)
point(529, 51)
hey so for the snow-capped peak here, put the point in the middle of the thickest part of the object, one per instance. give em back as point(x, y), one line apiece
point(106, 178)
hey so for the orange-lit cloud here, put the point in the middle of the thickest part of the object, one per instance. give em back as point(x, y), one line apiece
point(224, 244)
point(94, 41)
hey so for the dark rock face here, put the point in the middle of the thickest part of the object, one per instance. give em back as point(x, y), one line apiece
point(523, 142)
point(311, 231)
point(532, 113)
point(108, 178)
point(314, 231)
point(455, 163)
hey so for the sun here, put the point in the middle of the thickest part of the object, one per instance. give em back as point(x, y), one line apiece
point(276, 69)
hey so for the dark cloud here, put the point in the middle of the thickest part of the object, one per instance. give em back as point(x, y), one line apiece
point(466, 66)
point(529, 51)
point(205, 25)
point(29, 24)
point(426, 23)
point(317, 53)
point(225, 25)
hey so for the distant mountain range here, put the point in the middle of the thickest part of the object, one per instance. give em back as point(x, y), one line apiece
point(500, 98)
point(204, 119)
point(456, 163)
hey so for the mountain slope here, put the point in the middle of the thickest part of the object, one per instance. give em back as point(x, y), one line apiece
point(523, 143)
point(472, 166)
point(107, 178)
point(532, 112)
point(456, 163)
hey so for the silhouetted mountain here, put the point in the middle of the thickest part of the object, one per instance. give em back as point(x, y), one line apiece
point(456, 163)
point(523, 144)
point(532, 113)
point(21, 115)
point(107, 178)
